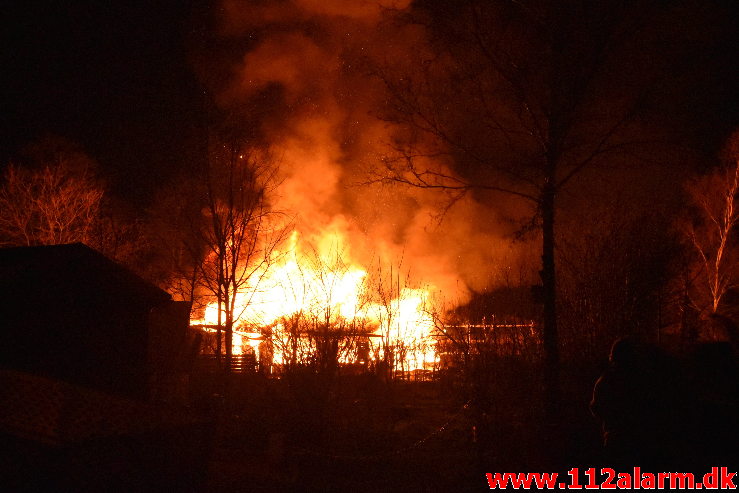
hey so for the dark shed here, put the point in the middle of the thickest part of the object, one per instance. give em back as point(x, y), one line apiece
point(69, 312)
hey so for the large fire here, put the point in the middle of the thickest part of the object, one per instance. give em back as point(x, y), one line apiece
point(308, 295)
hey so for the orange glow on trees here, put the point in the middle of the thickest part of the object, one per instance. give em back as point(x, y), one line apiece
point(711, 232)
point(48, 206)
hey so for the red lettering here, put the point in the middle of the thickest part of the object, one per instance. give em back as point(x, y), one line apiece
point(545, 480)
point(610, 476)
point(727, 479)
point(521, 480)
point(682, 480)
point(590, 473)
point(574, 474)
point(710, 479)
point(613, 480)
point(661, 476)
point(624, 481)
point(648, 481)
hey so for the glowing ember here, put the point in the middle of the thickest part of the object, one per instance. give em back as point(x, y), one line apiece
point(304, 299)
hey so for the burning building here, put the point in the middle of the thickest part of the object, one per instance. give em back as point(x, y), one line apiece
point(364, 257)
point(321, 307)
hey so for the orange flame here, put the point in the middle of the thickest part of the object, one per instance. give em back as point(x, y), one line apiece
point(325, 286)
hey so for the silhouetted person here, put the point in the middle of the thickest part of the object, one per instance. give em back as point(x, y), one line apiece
point(715, 397)
point(629, 399)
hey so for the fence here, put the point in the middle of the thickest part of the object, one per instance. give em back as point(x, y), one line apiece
point(240, 363)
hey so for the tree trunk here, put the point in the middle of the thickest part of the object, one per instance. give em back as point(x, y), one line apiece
point(229, 342)
point(219, 333)
point(549, 284)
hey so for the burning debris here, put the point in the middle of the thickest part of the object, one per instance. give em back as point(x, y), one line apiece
point(301, 301)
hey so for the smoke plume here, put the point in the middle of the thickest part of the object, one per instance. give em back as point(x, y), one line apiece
point(299, 63)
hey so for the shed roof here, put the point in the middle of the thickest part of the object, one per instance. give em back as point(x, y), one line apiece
point(65, 270)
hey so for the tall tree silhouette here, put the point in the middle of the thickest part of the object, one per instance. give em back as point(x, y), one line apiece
point(520, 98)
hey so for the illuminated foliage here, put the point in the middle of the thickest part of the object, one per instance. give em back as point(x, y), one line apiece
point(712, 233)
point(48, 206)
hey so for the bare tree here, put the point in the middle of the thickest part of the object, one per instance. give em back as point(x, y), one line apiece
point(614, 262)
point(173, 226)
point(52, 205)
point(334, 316)
point(386, 291)
point(326, 328)
point(519, 98)
point(238, 230)
point(398, 345)
point(711, 233)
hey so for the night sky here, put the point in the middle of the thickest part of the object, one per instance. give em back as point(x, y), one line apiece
point(111, 77)
point(117, 78)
